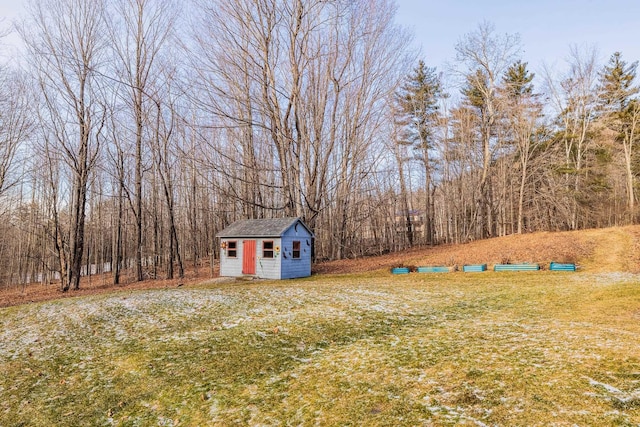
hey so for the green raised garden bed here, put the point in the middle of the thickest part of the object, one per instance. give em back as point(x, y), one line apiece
point(474, 268)
point(516, 267)
point(557, 266)
point(440, 269)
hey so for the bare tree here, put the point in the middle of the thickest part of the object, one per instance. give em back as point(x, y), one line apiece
point(574, 99)
point(65, 40)
point(15, 126)
point(164, 149)
point(139, 30)
point(485, 56)
point(399, 150)
point(303, 84)
point(464, 166)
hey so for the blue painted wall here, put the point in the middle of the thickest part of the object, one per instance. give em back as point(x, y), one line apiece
point(290, 267)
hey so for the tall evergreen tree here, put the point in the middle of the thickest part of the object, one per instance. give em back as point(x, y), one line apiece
point(621, 113)
point(476, 90)
point(418, 101)
point(517, 81)
point(617, 84)
point(479, 94)
point(522, 113)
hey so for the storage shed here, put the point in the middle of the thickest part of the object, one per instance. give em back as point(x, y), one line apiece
point(266, 248)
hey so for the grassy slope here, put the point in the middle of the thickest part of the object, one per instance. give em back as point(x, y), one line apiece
point(361, 349)
point(598, 250)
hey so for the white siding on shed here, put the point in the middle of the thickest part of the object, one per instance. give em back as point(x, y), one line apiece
point(231, 267)
point(283, 232)
point(268, 268)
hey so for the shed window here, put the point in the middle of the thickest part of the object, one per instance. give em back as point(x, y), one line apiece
point(232, 249)
point(267, 249)
point(296, 249)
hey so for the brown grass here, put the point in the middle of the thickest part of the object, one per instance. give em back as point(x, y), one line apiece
point(610, 249)
point(601, 250)
point(97, 284)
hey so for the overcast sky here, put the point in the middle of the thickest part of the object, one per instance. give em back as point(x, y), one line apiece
point(547, 27)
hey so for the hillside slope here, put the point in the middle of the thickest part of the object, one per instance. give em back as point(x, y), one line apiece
point(598, 250)
point(602, 250)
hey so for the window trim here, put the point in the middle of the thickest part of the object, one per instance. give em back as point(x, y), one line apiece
point(265, 250)
point(230, 249)
point(294, 250)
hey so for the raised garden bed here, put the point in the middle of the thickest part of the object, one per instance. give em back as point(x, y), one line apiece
point(438, 269)
point(474, 268)
point(557, 266)
point(516, 267)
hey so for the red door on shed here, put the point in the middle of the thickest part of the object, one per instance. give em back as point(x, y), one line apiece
point(249, 257)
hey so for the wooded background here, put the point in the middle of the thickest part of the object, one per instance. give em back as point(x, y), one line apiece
point(132, 131)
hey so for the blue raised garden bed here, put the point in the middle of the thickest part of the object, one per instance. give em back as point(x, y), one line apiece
point(474, 268)
point(516, 267)
point(556, 266)
point(400, 270)
point(433, 269)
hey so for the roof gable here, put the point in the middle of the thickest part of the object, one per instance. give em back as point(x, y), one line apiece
point(274, 227)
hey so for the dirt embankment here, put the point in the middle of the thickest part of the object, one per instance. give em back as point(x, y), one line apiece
point(603, 250)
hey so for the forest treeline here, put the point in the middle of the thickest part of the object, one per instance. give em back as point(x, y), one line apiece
point(132, 131)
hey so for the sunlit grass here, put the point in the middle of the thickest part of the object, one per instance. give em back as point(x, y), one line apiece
point(537, 348)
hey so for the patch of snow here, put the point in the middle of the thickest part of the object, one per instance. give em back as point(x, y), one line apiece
point(607, 387)
point(607, 279)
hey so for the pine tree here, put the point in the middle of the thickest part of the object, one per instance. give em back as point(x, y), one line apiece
point(621, 112)
point(617, 85)
point(522, 113)
point(418, 102)
point(476, 90)
point(480, 95)
point(517, 81)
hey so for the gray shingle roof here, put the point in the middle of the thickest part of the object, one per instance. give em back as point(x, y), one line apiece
point(260, 227)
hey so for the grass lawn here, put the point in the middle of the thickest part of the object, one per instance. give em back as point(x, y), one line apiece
point(526, 349)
